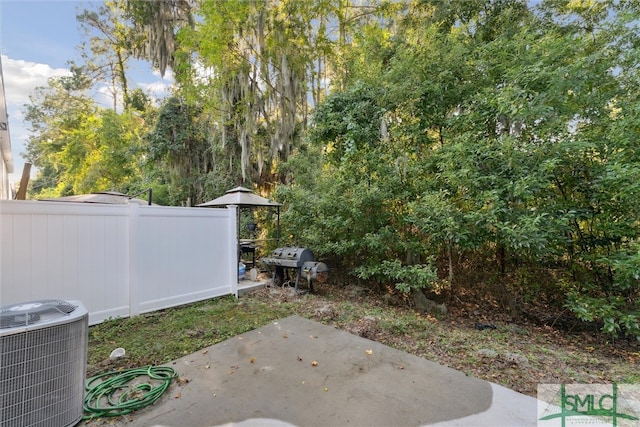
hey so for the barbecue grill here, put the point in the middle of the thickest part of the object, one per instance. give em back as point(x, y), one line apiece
point(295, 258)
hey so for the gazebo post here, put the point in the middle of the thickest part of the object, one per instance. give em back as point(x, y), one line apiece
point(278, 227)
point(238, 238)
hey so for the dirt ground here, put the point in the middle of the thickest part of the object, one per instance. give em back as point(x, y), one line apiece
point(473, 336)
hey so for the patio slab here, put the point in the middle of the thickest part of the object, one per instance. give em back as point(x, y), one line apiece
point(247, 285)
point(302, 373)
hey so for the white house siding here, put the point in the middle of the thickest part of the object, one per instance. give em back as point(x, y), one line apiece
point(6, 157)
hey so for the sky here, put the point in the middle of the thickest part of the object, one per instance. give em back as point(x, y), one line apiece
point(37, 40)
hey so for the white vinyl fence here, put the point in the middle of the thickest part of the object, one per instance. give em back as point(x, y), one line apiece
point(117, 260)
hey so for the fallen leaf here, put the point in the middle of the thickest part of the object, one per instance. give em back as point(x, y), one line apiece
point(182, 380)
point(368, 351)
point(177, 396)
point(205, 351)
point(314, 363)
point(252, 360)
point(299, 358)
point(207, 366)
point(285, 336)
point(326, 389)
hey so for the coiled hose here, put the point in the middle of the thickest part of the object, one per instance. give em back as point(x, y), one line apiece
point(115, 393)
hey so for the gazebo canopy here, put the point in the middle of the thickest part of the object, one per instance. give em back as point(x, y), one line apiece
point(245, 200)
point(239, 196)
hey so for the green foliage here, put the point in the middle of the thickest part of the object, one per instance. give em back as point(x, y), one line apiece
point(484, 130)
point(616, 318)
point(110, 45)
point(495, 132)
point(80, 148)
point(405, 277)
point(179, 142)
point(348, 122)
point(350, 205)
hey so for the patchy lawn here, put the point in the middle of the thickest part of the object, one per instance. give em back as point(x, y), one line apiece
point(516, 354)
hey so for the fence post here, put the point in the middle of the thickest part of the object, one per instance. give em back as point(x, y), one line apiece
point(134, 260)
point(233, 248)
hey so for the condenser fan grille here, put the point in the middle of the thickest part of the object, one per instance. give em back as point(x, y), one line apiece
point(42, 372)
point(33, 312)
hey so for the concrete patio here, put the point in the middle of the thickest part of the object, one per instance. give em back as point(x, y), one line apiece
point(298, 372)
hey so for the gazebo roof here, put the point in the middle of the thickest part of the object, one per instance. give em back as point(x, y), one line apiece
point(239, 196)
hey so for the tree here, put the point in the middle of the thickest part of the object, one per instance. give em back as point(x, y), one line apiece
point(266, 61)
point(158, 22)
point(505, 137)
point(79, 148)
point(352, 208)
point(178, 141)
point(55, 114)
point(108, 53)
point(404, 136)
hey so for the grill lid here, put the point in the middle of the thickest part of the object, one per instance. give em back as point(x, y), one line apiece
point(33, 312)
point(291, 253)
point(289, 257)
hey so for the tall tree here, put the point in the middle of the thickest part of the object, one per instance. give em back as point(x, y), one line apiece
point(110, 45)
point(510, 134)
point(179, 143)
point(78, 147)
point(158, 21)
point(267, 60)
point(55, 114)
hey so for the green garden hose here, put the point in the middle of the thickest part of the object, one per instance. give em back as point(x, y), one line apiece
point(121, 392)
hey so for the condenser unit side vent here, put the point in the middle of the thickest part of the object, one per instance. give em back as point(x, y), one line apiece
point(43, 358)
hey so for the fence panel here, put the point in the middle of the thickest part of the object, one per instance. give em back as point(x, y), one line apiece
point(184, 255)
point(118, 260)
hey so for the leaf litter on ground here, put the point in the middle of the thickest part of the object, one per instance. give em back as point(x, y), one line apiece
point(522, 353)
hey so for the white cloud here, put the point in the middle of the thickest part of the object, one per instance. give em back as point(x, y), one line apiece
point(156, 90)
point(160, 88)
point(22, 77)
point(168, 75)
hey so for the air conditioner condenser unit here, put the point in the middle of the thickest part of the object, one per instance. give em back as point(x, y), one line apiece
point(43, 363)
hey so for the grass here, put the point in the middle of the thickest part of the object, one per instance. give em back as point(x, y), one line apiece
point(162, 336)
point(518, 355)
